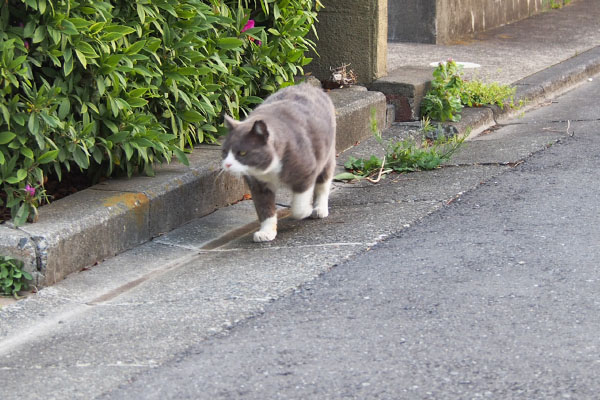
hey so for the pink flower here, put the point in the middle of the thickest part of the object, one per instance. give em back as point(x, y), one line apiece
point(249, 25)
point(26, 44)
point(30, 190)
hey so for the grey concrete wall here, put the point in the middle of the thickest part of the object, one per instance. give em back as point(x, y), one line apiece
point(352, 32)
point(412, 21)
point(447, 21)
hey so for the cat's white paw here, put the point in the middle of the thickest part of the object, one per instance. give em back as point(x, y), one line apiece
point(264, 236)
point(268, 230)
point(302, 212)
point(320, 212)
point(302, 204)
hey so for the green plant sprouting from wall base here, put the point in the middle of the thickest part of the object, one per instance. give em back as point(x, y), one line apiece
point(449, 94)
point(13, 278)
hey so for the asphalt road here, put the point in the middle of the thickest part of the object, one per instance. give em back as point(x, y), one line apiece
point(496, 296)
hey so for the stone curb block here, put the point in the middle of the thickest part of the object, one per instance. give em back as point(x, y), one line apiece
point(405, 89)
point(353, 109)
point(119, 214)
point(553, 80)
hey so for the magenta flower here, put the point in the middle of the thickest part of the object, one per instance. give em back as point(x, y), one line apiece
point(30, 190)
point(249, 25)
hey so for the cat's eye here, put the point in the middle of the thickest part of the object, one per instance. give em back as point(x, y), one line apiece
point(241, 153)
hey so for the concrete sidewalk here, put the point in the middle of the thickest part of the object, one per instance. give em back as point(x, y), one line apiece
point(538, 55)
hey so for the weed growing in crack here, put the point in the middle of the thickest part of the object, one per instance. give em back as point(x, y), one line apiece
point(406, 155)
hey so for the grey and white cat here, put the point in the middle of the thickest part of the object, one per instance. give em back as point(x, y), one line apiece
point(287, 141)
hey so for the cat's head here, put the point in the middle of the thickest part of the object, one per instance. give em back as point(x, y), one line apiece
point(247, 149)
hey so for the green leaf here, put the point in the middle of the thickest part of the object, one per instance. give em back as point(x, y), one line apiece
point(97, 27)
point(39, 34)
point(141, 13)
point(117, 137)
point(27, 152)
point(21, 174)
point(64, 108)
point(137, 102)
point(346, 176)
point(128, 151)
point(86, 49)
point(111, 125)
point(123, 30)
point(81, 158)
point(68, 27)
point(68, 66)
point(136, 47)
point(47, 157)
point(137, 92)
point(181, 156)
point(100, 85)
point(80, 22)
point(229, 43)
point(6, 137)
point(112, 36)
point(193, 116)
point(21, 218)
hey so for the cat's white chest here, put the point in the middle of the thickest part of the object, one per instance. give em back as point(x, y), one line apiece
point(270, 176)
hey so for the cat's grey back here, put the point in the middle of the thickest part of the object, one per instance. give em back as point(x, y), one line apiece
point(301, 115)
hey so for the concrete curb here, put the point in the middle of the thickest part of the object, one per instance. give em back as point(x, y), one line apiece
point(119, 214)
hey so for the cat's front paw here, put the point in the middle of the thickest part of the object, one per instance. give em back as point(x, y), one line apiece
point(320, 212)
point(264, 236)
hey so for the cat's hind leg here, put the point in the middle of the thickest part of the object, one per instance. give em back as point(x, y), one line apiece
point(264, 203)
point(322, 190)
point(302, 203)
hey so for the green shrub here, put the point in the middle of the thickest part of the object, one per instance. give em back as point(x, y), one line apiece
point(449, 94)
point(443, 101)
point(477, 94)
point(116, 86)
point(12, 277)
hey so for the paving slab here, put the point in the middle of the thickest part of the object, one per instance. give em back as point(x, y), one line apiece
point(440, 185)
point(139, 329)
point(80, 230)
point(78, 290)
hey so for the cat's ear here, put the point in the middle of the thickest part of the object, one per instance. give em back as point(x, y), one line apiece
point(230, 123)
point(260, 129)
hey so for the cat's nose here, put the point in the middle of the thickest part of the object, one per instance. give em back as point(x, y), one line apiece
point(227, 165)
